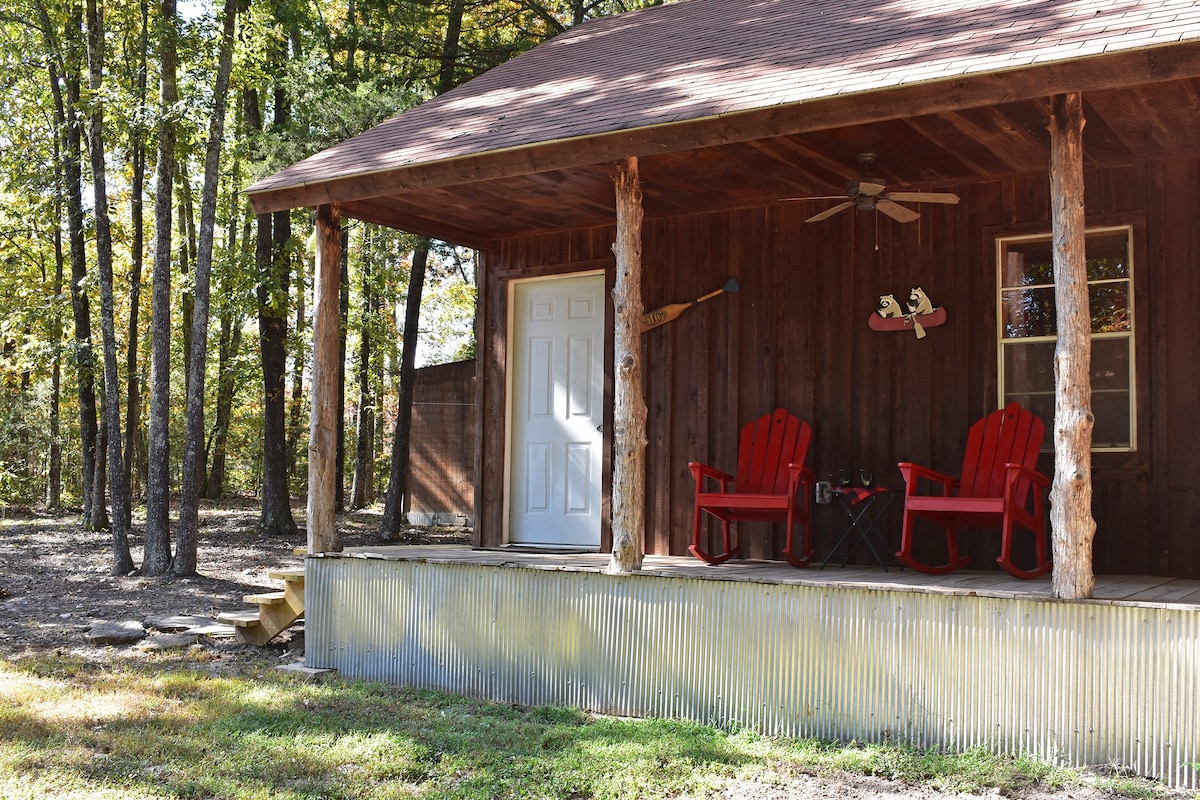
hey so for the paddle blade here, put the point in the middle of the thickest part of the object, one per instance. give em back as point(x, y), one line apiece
point(948, 198)
point(896, 211)
point(829, 212)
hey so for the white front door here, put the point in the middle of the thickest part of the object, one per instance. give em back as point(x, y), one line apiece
point(556, 414)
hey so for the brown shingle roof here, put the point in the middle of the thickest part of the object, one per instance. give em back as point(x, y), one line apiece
point(694, 59)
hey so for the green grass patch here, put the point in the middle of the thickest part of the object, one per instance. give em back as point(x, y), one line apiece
point(171, 729)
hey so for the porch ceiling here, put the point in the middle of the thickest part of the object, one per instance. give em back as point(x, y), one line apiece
point(942, 147)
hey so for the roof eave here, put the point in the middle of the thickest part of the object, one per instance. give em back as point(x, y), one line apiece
point(1093, 73)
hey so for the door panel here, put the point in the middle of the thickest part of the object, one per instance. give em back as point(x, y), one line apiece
point(556, 411)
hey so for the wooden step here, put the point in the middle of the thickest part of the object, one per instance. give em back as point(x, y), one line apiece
point(276, 610)
point(266, 599)
point(240, 619)
point(288, 575)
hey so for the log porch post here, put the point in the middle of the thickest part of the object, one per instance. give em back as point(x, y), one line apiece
point(326, 372)
point(1071, 523)
point(629, 412)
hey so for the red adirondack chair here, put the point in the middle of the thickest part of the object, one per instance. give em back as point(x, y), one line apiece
point(772, 484)
point(994, 490)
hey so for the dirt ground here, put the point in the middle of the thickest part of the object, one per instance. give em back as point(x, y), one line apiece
point(54, 581)
point(54, 586)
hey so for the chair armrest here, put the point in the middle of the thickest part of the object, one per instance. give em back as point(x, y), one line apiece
point(800, 475)
point(702, 471)
point(912, 473)
point(1014, 472)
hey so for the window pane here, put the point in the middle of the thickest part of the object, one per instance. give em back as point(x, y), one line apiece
point(1112, 419)
point(1027, 263)
point(1029, 368)
point(1028, 312)
point(1107, 256)
point(1029, 380)
point(1110, 364)
point(1109, 307)
point(1042, 406)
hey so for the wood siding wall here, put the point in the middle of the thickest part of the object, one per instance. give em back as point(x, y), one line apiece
point(442, 444)
point(796, 336)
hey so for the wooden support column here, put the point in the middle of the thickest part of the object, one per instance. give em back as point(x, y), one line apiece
point(326, 373)
point(1072, 525)
point(629, 411)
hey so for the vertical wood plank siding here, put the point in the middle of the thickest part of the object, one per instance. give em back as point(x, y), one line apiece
point(796, 335)
point(443, 442)
point(1074, 683)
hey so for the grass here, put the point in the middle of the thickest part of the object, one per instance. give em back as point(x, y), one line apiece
point(170, 728)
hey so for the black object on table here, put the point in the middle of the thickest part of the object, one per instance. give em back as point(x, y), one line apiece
point(864, 508)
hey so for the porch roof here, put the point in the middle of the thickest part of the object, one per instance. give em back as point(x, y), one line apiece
point(733, 105)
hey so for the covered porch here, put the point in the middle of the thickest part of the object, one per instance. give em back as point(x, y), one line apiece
point(972, 658)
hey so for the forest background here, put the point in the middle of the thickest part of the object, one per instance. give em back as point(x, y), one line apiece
point(154, 336)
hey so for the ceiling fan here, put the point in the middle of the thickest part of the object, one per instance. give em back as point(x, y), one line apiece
point(867, 193)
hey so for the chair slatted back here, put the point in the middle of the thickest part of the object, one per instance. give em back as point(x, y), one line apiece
point(1010, 435)
point(766, 447)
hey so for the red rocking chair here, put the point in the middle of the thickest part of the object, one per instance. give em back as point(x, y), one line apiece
point(772, 484)
point(998, 477)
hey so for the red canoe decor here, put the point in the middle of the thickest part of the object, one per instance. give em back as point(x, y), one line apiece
point(921, 314)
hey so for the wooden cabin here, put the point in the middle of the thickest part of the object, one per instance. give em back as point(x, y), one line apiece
point(745, 121)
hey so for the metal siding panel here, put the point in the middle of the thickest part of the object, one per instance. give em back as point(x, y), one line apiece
point(1069, 682)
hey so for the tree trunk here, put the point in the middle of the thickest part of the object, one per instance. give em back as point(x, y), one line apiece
point(68, 117)
point(122, 561)
point(99, 520)
point(156, 558)
point(231, 338)
point(273, 286)
point(343, 322)
point(397, 491)
point(1072, 525)
point(188, 534)
point(296, 405)
point(133, 393)
point(186, 228)
point(629, 407)
point(273, 232)
point(326, 371)
point(361, 494)
point(54, 468)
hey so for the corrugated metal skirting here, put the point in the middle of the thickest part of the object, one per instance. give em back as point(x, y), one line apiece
point(1074, 683)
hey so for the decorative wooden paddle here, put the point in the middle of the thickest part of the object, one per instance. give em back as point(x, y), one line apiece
point(661, 316)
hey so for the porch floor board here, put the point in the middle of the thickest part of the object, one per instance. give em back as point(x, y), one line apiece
point(1134, 590)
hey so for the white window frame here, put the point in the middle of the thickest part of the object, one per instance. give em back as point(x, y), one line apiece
point(1003, 342)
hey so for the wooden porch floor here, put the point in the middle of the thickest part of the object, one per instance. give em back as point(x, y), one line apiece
point(1135, 590)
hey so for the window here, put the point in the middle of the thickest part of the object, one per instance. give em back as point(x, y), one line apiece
point(1028, 330)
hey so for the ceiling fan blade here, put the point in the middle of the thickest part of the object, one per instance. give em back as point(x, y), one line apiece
point(923, 197)
point(829, 212)
point(870, 188)
point(896, 211)
point(821, 197)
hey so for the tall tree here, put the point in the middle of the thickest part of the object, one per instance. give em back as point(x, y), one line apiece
point(54, 471)
point(122, 561)
point(133, 393)
point(156, 557)
point(273, 270)
point(64, 73)
point(339, 492)
point(187, 538)
point(362, 489)
point(397, 491)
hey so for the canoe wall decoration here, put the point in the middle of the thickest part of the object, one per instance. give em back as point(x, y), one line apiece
point(921, 313)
